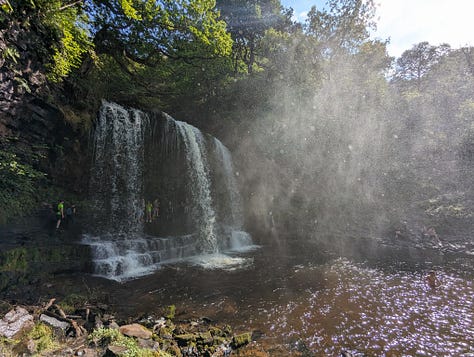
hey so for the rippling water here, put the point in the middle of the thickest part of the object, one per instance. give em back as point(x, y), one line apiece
point(305, 302)
point(369, 311)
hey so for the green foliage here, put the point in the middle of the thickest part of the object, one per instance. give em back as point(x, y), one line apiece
point(248, 21)
point(71, 302)
point(6, 7)
point(343, 27)
point(11, 54)
point(171, 312)
point(106, 336)
point(6, 345)
point(74, 42)
point(15, 260)
point(42, 336)
point(61, 29)
point(18, 185)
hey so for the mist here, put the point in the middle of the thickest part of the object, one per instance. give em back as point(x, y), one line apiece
point(358, 152)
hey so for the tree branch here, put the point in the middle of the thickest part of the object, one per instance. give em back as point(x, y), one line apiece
point(70, 5)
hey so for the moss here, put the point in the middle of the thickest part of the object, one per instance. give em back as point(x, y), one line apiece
point(241, 340)
point(185, 339)
point(171, 312)
point(42, 335)
point(106, 336)
point(6, 345)
point(14, 260)
point(71, 302)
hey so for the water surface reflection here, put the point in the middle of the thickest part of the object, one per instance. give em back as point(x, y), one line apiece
point(310, 302)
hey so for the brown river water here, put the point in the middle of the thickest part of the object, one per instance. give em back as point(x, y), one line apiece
point(307, 302)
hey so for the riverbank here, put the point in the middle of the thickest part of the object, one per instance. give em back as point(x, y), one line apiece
point(72, 327)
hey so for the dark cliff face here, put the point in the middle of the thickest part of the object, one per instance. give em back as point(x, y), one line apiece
point(41, 136)
point(38, 133)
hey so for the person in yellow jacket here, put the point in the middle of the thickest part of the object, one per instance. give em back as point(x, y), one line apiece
point(149, 211)
point(60, 213)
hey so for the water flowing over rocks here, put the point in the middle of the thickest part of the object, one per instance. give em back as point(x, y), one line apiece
point(185, 177)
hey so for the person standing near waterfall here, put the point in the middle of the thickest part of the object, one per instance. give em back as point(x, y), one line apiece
point(60, 213)
point(156, 208)
point(149, 211)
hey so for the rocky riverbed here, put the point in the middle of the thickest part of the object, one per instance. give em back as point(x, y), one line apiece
point(66, 328)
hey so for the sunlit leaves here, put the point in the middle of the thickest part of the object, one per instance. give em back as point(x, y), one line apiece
point(5, 6)
point(129, 10)
point(342, 28)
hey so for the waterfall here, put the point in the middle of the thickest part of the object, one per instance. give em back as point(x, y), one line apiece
point(150, 157)
point(201, 192)
point(231, 184)
point(238, 239)
point(118, 167)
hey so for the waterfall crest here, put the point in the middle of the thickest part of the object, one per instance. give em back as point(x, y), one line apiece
point(149, 158)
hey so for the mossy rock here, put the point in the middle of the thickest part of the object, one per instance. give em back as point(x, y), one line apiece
point(241, 340)
point(165, 333)
point(185, 339)
point(215, 331)
point(205, 338)
point(219, 340)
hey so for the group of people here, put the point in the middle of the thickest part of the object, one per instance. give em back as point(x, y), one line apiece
point(152, 210)
point(64, 214)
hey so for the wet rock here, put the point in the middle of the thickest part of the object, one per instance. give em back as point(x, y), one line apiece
point(15, 321)
point(205, 338)
point(113, 325)
point(136, 330)
point(218, 340)
point(185, 338)
point(54, 322)
point(173, 349)
point(165, 333)
point(241, 340)
point(159, 324)
point(87, 352)
point(98, 322)
point(148, 344)
point(113, 351)
point(179, 330)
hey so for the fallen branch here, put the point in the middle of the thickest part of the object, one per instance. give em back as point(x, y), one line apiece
point(49, 304)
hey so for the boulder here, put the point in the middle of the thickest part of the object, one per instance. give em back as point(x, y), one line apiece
point(15, 321)
point(135, 330)
point(54, 322)
point(113, 351)
point(241, 340)
point(185, 339)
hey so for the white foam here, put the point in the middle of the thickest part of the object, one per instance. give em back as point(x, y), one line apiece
point(220, 261)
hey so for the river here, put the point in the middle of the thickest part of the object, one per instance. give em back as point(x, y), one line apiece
point(304, 300)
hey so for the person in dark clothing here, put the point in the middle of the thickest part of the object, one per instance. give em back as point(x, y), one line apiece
point(70, 213)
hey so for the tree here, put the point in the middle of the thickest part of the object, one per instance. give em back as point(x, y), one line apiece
point(248, 21)
point(416, 62)
point(341, 28)
point(150, 32)
point(60, 28)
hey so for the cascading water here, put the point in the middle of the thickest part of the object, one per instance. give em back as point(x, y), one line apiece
point(231, 184)
point(149, 157)
point(239, 239)
point(198, 170)
point(117, 152)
